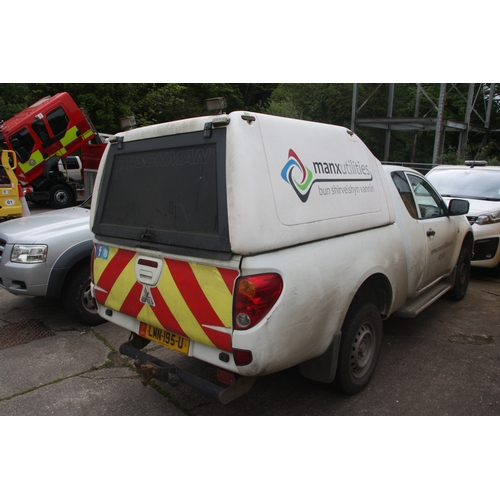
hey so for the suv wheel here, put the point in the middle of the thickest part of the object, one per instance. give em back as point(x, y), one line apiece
point(77, 299)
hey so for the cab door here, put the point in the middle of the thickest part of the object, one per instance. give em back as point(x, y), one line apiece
point(439, 230)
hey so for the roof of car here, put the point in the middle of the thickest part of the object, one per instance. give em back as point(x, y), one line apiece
point(467, 167)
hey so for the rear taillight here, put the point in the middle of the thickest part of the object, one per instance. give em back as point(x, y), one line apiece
point(254, 298)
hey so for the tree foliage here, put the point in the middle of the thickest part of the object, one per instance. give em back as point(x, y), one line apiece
point(331, 103)
point(149, 103)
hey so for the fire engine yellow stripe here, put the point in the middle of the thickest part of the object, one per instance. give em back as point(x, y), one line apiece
point(180, 309)
point(70, 135)
point(35, 159)
point(120, 290)
point(215, 291)
point(87, 134)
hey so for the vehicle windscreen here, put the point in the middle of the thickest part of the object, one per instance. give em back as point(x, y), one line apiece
point(474, 183)
point(166, 193)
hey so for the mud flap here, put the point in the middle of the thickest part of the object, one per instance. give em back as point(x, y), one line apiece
point(324, 367)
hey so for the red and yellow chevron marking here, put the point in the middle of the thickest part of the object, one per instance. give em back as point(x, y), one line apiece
point(190, 299)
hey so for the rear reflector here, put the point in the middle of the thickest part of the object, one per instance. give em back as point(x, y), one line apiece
point(225, 377)
point(242, 357)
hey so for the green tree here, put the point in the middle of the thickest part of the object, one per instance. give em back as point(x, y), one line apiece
point(321, 102)
point(152, 103)
point(14, 98)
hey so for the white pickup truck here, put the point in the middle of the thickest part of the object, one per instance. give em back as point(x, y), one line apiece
point(256, 243)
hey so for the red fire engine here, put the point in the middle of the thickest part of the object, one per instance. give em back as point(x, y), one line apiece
point(42, 135)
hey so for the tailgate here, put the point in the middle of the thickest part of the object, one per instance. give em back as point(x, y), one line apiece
point(187, 298)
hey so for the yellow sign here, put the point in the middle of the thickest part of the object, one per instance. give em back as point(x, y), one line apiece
point(10, 203)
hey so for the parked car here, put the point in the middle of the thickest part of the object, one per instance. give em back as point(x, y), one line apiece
point(48, 255)
point(480, 185)
point(72, 167)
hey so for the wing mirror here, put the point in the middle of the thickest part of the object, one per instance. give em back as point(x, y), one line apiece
point(458, 207)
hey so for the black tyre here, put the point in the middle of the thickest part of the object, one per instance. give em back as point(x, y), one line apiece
point(359, 347)
point(61, 196)
point(77, 299)
point(463, 275)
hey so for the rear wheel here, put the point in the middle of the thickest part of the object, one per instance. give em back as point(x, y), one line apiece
point(61, 196)
point(359, 347)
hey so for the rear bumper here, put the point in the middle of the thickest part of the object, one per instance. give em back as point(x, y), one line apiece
point(150, 367)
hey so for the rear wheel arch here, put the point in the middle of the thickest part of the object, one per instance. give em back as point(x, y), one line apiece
point(376, 290)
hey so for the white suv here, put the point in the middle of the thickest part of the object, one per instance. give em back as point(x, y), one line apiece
point(480, 185)
point(48, 255)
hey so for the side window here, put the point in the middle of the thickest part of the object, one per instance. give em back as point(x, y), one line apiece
point(23, 143)
point(40, 130)
point(428, 201)
point(58, 121)
point(405, 192)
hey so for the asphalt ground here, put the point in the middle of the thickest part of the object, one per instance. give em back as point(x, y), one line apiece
point(444, 362)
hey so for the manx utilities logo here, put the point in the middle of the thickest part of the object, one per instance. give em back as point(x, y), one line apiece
point(302, 178)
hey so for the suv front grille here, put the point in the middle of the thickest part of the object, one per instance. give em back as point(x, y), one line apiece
point(485, 249)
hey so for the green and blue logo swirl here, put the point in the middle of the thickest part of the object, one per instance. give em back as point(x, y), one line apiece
point(302, 182)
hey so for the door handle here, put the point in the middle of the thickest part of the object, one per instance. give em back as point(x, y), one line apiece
point(431, 232)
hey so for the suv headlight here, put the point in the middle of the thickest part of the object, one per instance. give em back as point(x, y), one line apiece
point(488, 218)
point(29, 254)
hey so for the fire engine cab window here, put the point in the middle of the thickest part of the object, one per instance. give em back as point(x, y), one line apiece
point(22, 143)
point(58, 120)
point(40, 130)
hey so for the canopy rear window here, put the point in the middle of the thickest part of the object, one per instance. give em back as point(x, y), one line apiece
point(166, 193)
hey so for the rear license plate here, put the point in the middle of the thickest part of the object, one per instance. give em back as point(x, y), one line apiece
point(167, 339)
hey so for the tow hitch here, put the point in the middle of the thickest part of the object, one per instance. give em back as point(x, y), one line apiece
point(150, 368)
point(149, 371)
